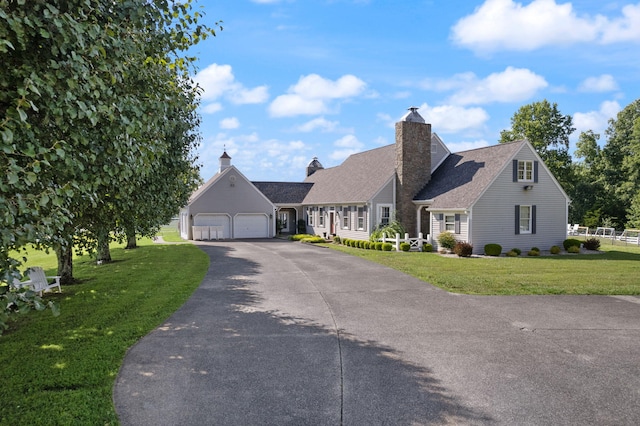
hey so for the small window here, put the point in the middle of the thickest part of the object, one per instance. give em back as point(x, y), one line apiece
point(525, 171)
point(310, 216)
point(450, 223)
point(321, 217)
point(525, 219)
point(360, 218)
point(345, 218)
point(385, 215)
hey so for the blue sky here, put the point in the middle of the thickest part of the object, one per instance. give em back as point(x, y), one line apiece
point(289, 80)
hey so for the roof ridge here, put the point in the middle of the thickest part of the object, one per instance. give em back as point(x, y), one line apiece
point(489, 146)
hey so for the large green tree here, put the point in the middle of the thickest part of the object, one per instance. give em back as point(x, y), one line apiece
point(548, 130)
point(85, 89)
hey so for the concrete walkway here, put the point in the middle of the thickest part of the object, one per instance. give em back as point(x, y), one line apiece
point(286, 333)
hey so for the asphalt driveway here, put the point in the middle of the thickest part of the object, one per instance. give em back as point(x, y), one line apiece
point(286, 333)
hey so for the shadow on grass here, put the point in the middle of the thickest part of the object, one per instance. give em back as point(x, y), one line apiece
point(221, 359)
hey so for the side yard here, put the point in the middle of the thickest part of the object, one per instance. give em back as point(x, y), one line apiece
point(616, 270)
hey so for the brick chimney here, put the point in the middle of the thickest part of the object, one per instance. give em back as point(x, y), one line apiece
point(413, 166)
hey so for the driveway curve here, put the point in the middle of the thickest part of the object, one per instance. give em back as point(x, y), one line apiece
point(286, 333)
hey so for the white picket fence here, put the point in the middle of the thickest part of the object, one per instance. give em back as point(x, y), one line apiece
point(416, 243)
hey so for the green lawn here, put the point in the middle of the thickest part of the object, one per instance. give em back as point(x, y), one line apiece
point(616, 271)
point(61, 370)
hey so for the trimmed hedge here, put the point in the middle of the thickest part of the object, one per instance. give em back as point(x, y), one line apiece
point(573, 249)
point(570, 242)
point(555, 250)
point(405, 246)
point(517, 251)
point(387, 246)
point(426, 247)
point(492, 249)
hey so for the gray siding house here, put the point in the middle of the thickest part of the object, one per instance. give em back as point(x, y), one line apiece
point(500, 194)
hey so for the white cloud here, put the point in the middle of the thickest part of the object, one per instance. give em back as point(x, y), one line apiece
point(212, 108)
point(218, 81)
point(229, 123)
point(312, 95)
point(319, 123)
point(347, 145)
point(602, 83)
point(597, 121)
point(452, 118)
point(466, 146)
point(509, 25)
point(511, 85)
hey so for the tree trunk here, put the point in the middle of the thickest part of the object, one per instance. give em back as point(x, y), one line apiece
point(104, 254)
point(131, 238)
point(65, 263)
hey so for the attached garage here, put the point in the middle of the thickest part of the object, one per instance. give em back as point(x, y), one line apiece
point(250, 225)
point(220, 220)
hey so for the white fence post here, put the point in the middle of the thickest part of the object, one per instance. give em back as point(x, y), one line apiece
point(397, 242)
point(420, 241)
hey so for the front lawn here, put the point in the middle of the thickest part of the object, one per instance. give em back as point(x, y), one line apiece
point(615, 271)
point(61, 370)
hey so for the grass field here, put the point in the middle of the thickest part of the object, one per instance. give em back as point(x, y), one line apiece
point(615, 271)
point(61, 370)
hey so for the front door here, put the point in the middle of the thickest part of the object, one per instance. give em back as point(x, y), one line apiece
point(332, 223)
point(284, 221)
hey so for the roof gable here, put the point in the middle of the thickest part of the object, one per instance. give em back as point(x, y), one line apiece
point(284, 192)
point(464, 176)
point(356, 180)
point(234, 174)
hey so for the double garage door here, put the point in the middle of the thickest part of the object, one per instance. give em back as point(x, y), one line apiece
point(245, 225)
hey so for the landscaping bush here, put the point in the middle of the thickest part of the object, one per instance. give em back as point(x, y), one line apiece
point(387, 246)
point(533, 252)
point(591, 244)
point(535, 249)
point(555, 250)
point(313, 239)
point(302, 226)
point(463, 249)
point(336, 239)
point(405, 246)
point(570, 242)
point(492, 249)
point(379, 245)
point(427, 248)
point(366, 245)
point(298, 237)
point(447, 240)
point(517, 251)
point(512, 253)
point(573, 249)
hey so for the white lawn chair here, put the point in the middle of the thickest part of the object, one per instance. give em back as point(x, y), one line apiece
point(574, 229)
point(39, 282)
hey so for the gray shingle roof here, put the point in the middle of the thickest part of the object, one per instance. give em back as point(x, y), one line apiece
point(355, 181)
point(284, 192)
point(463, 176)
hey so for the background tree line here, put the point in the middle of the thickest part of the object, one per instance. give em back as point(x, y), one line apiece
point(603, 182)
point(98, 125)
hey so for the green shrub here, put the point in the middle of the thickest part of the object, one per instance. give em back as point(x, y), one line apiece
point(573, 249)
point(394, 227)
point(426, 247)
point(405, 246)
point(591, 244)
point(535, 249)
point(298, 237)
point(570, 242)
point(379, 245)
point(517, 251)
point(555, 250)
point(447, 240)
point(336, 239)
point(302, 226)
point(512, 253)
point(313, 239)
point(492, 249)
point(463, 249)
point(366, 245)
point(387, 246)
point(533, 252)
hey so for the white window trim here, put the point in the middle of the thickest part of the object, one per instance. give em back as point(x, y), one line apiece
point(527, 167)
point(346, 219)
point(359, 218)
point(450, 225)
point(528, 218)
point(321, 217)
point(382, 206)
point(310, 213)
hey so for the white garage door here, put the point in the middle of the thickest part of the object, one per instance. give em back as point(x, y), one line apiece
point(222, 221)
point(246, 225)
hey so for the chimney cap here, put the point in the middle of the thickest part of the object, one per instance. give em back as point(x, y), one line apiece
point(413, 116)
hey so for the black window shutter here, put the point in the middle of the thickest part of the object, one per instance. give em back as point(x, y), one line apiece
point(517, 219)
point(515, 170)
point(441, 220)
point(535, 171)
point(533, 219)
point(457, 225)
